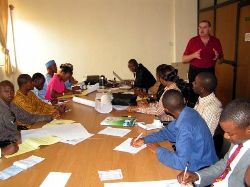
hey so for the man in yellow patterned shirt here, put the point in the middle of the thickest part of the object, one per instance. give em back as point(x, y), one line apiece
point(27, 107)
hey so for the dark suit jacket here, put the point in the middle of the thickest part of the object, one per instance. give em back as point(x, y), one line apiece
point(143, 78)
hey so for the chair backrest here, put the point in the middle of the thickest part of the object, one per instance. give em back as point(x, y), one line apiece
point(220, 143)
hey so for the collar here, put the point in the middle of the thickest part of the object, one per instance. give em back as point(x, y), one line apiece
point(172, 86)
point(207, 98)
point(2, 103)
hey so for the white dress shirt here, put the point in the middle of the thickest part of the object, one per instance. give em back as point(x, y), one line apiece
point(209, 108)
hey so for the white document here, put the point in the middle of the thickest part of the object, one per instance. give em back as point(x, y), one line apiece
point(68, 131)
point(163, 183)
point(57, 179)
point(76, 141)
point(84, 101)
point(28, 162)
point(33, 133)
point(149, 126)
point(126, 147)
point(114, 131)
point(119, 107)
point(110, 175)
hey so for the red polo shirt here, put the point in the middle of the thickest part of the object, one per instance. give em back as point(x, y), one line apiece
point(207, 54)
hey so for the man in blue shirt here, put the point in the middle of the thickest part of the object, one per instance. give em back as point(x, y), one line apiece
point(193, 140)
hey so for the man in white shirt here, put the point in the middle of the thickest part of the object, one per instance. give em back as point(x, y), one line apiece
point(208, 106)
point(230, 171)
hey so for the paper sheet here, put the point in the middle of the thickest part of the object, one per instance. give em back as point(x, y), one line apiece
point(38, 141)
point(9, 172)
point(163, 183)
point(25, 134)
point(59, 122)
point(110, 175)
point(33, 144)
point(68, 131)
point(84, 101)
point(19, 166)
point(119, 107)
point(126, 147)
point(28, 162)
point(57, 179)
point(114, 131)
point(149, 126)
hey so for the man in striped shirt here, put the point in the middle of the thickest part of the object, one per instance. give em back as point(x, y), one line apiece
point(208, 106)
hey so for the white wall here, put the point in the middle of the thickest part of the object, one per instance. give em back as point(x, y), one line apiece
point(185, 25)
point(99, 36)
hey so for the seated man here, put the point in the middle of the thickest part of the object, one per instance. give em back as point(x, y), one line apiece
point(9, 134)
point(208, 106)
point(51, 70)
point(27, 107)
point(193, 140)
point(143, 78)
point(229, 171)
point(38, 81)
point(69, 83)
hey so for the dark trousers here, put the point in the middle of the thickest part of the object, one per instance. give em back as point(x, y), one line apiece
point(192, 73)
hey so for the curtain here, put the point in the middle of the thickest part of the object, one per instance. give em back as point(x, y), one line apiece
point(3, 35)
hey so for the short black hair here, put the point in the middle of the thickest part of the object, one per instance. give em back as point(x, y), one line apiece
point(237, 111)
point(6, 83)
point(206, 21)
point(173, 100)
point(208, 80)
point(23, 79)
point(38, 76)
point(65, 68)
point(133, 61)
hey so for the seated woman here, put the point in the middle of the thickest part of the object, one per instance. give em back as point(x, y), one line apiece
point(168, 77)
point(56, 86)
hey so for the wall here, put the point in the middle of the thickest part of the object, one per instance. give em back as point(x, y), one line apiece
point(99, 36)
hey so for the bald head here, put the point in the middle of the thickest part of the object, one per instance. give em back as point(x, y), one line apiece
point(208, 81)
point(173, 101)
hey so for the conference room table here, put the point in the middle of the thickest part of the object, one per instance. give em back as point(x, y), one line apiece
point(86, 158)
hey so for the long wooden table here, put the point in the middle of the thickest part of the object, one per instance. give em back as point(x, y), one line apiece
point(86, 158)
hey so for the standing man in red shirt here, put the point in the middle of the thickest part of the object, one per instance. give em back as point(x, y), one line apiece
point(202, 53)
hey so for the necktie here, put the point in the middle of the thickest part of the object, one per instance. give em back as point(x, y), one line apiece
point(229, 161)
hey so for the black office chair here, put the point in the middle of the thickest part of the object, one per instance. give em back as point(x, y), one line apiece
point(220, 143)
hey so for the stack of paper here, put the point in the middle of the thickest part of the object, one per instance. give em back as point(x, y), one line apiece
point(57, 179)
point(31, 144)
point(110, 175)
point(59, 122)
point(126, 147)
point(114, 131)
point(69, 133)
point(19, 166)
point(163, 183)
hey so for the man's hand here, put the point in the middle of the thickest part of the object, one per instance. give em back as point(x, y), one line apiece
point(137, 143)
point(189, 177)
point(10, 149)
point(153, 146)
point(197, 54)
point(216, 55)
point(56, 114)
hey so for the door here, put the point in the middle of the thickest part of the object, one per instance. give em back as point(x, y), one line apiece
point(226, 17)
point(243, 60)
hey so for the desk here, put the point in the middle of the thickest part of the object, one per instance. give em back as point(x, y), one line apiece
point(86, 158)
